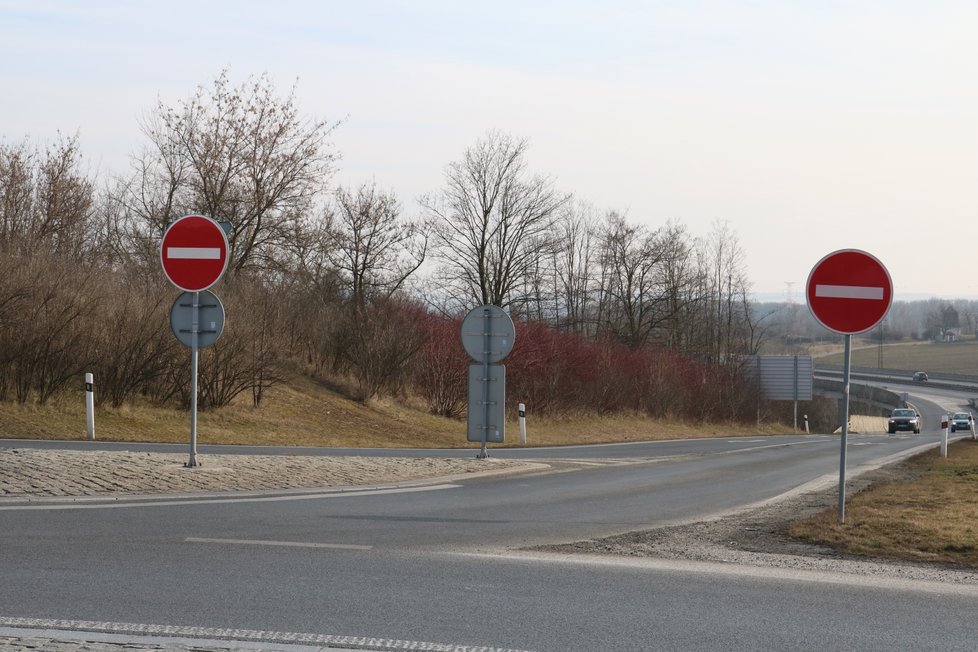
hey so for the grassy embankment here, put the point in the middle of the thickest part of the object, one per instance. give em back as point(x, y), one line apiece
point(304, 413)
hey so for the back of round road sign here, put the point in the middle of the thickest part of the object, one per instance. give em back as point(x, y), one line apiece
point(488, 334)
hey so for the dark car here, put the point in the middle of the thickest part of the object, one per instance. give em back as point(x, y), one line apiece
point(920, 377)
point(961, 421)
point(903, 419)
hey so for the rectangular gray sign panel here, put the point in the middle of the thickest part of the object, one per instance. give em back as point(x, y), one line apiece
point(487, 403)
point(786, 377)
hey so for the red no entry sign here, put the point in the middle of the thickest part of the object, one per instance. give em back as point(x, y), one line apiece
point(194, 253)
point(849, 291)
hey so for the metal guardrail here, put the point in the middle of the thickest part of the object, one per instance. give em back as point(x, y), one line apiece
point(956, 382)
point(883, 399)
point(963, 379)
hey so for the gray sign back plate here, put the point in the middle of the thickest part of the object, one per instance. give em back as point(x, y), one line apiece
point(487, 331)
point(487, 403)
point(786, 377)
point(210, 318)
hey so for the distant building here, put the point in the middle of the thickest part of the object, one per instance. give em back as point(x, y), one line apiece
point(951, 319)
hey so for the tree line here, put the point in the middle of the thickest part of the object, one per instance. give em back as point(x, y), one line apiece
point(342, 283)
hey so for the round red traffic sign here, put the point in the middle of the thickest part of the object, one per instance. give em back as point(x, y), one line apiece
point(194, 253)
point(849, 291)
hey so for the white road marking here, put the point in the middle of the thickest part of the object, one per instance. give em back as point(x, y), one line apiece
point(723, 568)
point(98, 502)
point(286, 544)
point(212, 637)
point(196, 253)
point(849, 292)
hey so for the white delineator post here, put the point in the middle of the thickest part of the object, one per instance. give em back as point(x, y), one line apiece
point(522, 424)
point(944, 422)
point(90, 405)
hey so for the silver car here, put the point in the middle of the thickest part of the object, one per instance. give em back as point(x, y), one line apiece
point(961, 421)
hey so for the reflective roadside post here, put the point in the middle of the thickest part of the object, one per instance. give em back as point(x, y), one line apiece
point(944, 426)
point(90, 406)
point(522, 424)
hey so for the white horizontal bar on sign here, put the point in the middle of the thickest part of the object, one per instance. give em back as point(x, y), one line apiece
point(848, 292)
point(198, 253)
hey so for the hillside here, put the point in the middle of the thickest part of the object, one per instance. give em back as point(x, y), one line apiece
point(305, 413)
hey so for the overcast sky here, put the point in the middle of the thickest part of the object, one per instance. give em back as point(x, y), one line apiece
point(808, 126)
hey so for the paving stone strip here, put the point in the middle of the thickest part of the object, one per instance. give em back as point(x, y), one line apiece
point(27, 472)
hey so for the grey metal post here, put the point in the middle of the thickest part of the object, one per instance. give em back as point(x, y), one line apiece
point(486, 393)
point(845, 430)
point(796, 394)
point(90, 406)
point(194, 355)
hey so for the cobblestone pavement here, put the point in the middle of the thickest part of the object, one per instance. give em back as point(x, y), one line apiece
point(33, 473)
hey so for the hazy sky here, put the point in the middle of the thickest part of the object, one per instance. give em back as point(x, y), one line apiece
point(808, 126)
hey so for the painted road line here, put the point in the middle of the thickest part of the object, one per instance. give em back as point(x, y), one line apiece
point(121, 501)
point(285, 544)
point(213, 637)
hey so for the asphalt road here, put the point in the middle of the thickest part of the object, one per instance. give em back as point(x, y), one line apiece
point(444, 564)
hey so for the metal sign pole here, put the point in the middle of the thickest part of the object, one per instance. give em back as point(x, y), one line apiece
point(486, 393)
point(796, 394)
point(845, 430)
point(194, 355)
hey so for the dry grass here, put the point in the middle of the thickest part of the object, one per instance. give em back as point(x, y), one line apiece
point(932, 516)
point(304, 413)
point(959, 357)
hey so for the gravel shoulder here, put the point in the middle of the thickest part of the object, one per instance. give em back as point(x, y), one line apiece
point(754, 537)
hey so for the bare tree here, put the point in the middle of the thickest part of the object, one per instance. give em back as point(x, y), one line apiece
point(575, 261)
point(237, 154)
point(373, 250)
point(723, 286)
point(46, 200)
point(638, 303)
point(492, 220)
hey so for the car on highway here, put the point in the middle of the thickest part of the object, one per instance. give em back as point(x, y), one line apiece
point(920, 377)
point(903, 419)
point(961, 421)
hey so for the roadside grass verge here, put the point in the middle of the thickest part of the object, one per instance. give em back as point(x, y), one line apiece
point(930, 516)
point(305, 413)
